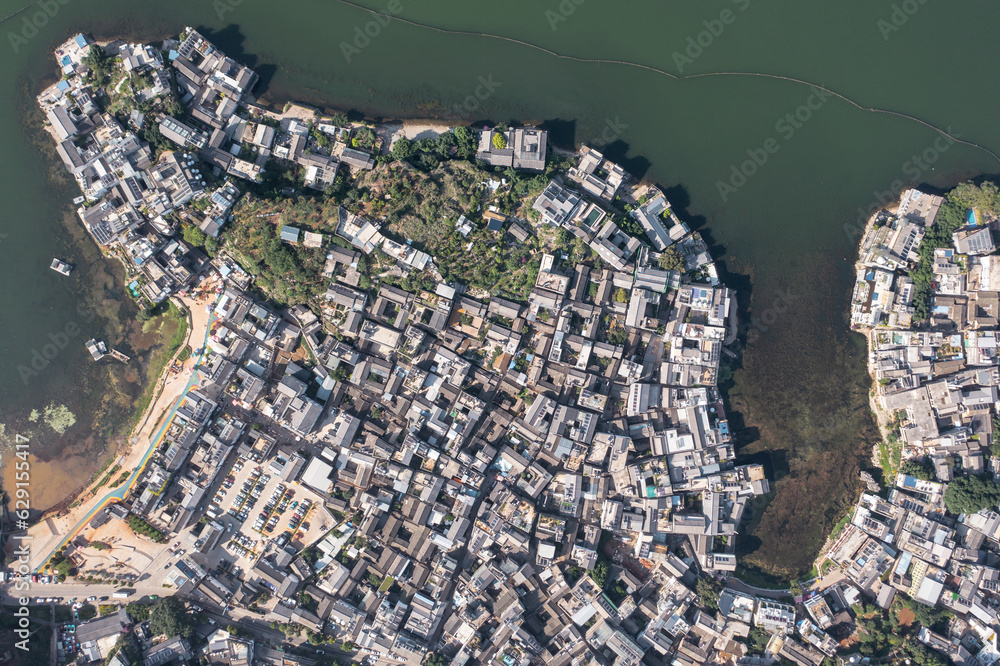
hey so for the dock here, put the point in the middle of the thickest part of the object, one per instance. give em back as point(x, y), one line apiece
point(120, 356)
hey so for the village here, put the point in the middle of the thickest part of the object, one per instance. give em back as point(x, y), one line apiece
point(408, 469)
point(926, 298)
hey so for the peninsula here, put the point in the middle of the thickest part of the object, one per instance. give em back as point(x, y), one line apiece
point(455, 398)
point(922, 541)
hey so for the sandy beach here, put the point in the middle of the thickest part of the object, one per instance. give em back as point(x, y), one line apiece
point(49, 532)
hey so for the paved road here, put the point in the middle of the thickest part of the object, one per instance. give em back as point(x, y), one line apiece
point(740, 586)
point(81, 591)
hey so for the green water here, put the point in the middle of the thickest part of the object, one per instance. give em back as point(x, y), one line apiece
point(802, 387)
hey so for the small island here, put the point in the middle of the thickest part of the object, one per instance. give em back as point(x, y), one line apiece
point(453, 392)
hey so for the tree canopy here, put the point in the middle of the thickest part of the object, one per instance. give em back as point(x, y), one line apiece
point(918, 469)
point(167, 618)
point(194, 236)
point(600, 573)
point(969, 494)
point(402, 149)
point(671, 259)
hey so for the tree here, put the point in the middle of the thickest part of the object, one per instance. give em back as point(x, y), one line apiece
point(671, 259)
point(212, 245)
point(969, 494)
point(919, 469)
point(98, 61)
point(708, 593)
point(621, 296)
point(599, 573)
point(167, 618)
point(466, 142)
point(499, 140)
point(402, 149)
point(435, 660)
point(193, 236)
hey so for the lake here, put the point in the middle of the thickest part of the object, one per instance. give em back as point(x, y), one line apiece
point(775, 173)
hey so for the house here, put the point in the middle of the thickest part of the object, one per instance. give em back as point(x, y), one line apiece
point(598, 176)
point(496, 148)
point(529, 149)
point(183, 135)
point(62, 122)
point(96, 637)
point(357, 159)
point(173, 650)
point(557, 204)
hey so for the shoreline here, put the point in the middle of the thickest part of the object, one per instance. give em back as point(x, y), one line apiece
point(135, 453)
point(689, 263)
point(881, 421)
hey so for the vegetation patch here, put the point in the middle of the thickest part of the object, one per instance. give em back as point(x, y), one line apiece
point(141, 527)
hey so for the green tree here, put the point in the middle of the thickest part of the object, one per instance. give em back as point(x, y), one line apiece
point(708, 593)
point(402, 149)
point(212, 245)
point(600, 573)
point(969, 494)
point(621, 296)
point(167, 618)
point(435, 660)
point(98, 61)
point(499, 140)
point(671, 259)
point(466, 142)
point(193, 236)
point(918, 469)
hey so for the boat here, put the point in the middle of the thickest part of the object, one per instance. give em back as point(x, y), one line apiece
point(97, 349)
point(79, 199)
point(60, 267)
